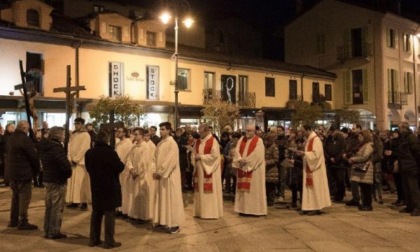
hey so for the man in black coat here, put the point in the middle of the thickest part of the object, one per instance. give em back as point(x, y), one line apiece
point(409, 152)
point(57, 169)
point(104, 167)
point(23, 163)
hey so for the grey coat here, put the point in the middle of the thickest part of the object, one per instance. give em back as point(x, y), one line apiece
point(363, 155)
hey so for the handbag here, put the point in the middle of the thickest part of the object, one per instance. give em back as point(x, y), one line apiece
point(361, 167)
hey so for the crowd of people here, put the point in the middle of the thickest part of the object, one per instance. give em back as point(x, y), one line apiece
point(142, 179)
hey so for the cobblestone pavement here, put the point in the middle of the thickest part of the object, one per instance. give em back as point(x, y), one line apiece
point(341, 228)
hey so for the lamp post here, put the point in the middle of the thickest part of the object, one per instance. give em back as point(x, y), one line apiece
point(165, 17)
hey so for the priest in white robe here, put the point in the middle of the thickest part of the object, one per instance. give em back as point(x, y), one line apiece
point(169, 205)
point(78, 185)
point(208, 197)
point(315, 191)
point(123, 148)
point(250, 197)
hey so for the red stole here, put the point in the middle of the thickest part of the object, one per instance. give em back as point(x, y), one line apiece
point(244, 177)
point(309, 180)
point(208, 179)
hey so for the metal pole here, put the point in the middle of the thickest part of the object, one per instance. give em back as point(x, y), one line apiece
point(176, 74)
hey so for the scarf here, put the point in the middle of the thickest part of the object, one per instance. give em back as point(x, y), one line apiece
point(309, 179)
point(208, 179)
point(244, 177)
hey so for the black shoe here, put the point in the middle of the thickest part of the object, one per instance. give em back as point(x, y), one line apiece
point(114, 245)
point(312, 213)
point(365, 208)
point(174, 230)
point(94, 243)
point(415, 213)
point(27, 226)
point(400, 203)
point(352, 203)
point(406, 210)
point(57, 236)
point(72, 205)
point(83, 206)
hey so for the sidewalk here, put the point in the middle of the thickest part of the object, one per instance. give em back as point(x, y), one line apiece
point(341, 228)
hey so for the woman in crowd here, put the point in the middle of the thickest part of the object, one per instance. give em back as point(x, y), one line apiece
point(363, 154)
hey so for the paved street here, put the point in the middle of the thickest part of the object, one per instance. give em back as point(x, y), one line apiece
point(339, 229)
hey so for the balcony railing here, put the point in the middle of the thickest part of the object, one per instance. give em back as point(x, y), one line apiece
point(246, 100)
point(346, 52)
point(396, 99)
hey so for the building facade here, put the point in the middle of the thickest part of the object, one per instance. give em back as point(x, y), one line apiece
point(119, 57)
point(375, 55)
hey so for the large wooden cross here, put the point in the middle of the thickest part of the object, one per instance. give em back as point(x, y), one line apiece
point(29, 100)
point(70, 92)
point(110, 127)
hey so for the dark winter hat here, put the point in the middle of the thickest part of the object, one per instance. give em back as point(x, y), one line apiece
point(345, 130)
point(79, 120)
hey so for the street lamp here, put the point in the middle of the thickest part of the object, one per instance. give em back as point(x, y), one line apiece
point(188, 21)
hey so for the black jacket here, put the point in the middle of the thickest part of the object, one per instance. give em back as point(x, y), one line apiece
point(334, 148)
point(56, 166)
point(409, 152)
point(22, 159)
point(104, 167)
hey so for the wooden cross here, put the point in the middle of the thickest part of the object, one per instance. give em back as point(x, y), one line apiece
point(29, 101)
point(111, 126)
point(70, 92)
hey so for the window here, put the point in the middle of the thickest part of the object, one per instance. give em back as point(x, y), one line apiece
point(357, 42)
point(114, 33)
point(269, 87)
point(408, 83)
point(183, 80)
point(356, 87)
point(315, 91)
point(243, 90)
point(406, 42)
point(293, 90)
point(393, 90)
point(320, 44)
point(34, 70)
point(32, 18)
point(328, 92)
point(390, 38)
point(151, 38)
point(208, 86)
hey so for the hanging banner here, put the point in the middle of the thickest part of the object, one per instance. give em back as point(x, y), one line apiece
point(116, 80)
point(152, 73)
point(229, 88)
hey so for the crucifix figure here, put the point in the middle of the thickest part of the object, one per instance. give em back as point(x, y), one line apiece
point(27, 89)
point(70, 92)
point(111, 126)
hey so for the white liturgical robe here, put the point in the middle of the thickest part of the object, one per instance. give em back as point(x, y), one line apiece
point(317, 195)
point(169, 205)
point(252, 201)
point(78, 185)
point(208, 197)
point(123, 148)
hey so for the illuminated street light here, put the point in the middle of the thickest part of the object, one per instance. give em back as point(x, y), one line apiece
point(188, 21)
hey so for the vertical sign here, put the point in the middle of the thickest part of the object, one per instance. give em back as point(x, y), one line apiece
point(116, 74)
point(229, 88)
point(152, 82)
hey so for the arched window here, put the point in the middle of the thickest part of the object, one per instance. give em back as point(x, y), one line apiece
point(32, 18)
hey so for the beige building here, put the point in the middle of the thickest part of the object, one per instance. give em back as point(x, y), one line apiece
point(130, 64)
point(374, 55)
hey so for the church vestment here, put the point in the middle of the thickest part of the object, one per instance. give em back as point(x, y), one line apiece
point(250, 195)
point(315, 194)
point(78, 185)
point(208, 197)
point(123, 149)
point(169, 205)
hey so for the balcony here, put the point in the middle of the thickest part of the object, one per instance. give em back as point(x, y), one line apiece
point(349, 52)
point(246, 100)
point(396, 100)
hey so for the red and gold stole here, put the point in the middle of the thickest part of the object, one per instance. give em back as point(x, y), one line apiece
point(208, 179)
point(244, 177)
point(309, 180)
